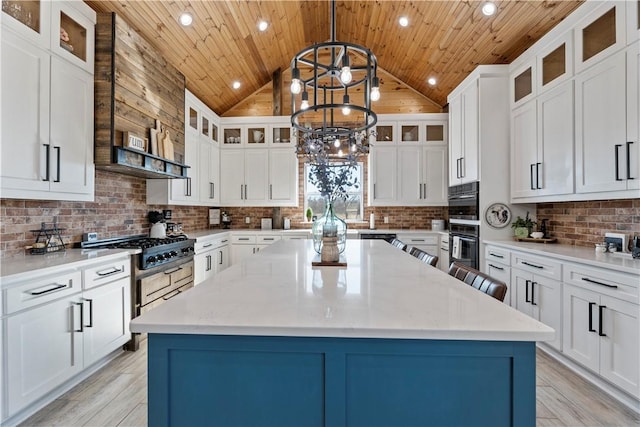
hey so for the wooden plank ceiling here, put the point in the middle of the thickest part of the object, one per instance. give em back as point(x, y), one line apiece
point(444, 39)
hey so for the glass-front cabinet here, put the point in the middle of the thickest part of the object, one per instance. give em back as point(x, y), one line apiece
point(410, 133)
point(232, 136)
point(555, 62)
point(281, 136)
point(385, 133)
point(72, 35)
point(600, 34)
point(633, 21)
point(436, 132)
point(31, 19)
point(522, 84)
point(256, 136)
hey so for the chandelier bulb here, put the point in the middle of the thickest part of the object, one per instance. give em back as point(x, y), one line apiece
point(345, 75)
point(336, 143)
point(296, 86)
point(375, 93)
point(305, 100)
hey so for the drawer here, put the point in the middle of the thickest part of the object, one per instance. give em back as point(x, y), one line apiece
point(182, 274)
point(296, 236)
point(244, 239)
point(42, 290)
point(106, 272)
point(602, 280)
point(497, 254)
point(267, 240)
point(537, 265)
point(209, 244)
point(420, 239)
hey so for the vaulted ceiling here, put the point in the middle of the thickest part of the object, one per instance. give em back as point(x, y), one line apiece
point(444, 39)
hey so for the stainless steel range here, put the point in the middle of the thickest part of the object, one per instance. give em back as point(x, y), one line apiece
point(162, 270)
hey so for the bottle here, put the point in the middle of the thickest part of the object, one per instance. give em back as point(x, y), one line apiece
point(372, 221)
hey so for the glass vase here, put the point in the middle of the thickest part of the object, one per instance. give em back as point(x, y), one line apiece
point(331, 226)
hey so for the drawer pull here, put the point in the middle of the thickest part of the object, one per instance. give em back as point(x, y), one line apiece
point(591, 304)
point(113, 270)
point(243, 238)
point(208, 245)
point(601, 320)
point(46, 291)
point(417, 240)
point(496, 255)
point(586, 279)
point(173, 271)
point(496, 267)
point(532, 265)
point(90, 325)
point(81, 317)
point(225, 241)
point(169, 296)
point(268, 238)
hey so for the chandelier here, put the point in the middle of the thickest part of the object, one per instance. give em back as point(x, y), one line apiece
point(332, 86)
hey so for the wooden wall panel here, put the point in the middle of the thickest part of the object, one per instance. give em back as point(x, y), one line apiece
point(134, 86)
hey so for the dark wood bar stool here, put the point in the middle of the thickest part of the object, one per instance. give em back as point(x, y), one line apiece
point(424, 256)
point(398, 244)
point(483, 282)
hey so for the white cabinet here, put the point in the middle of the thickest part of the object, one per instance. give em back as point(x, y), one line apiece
point(497, 264)
point(632, 144)
point(422, 175)
point(633, 21)
point(602, 323)
point(211, 257)
point(428, 242)
point(443, 254)
point(283, 177)
point(59, 323)
point(463, 125)
point(244, 245)
point(542, 145)
point(601, 124)
point(382, 176)
point(47, 116)
point(256, 173)
point(209, 173)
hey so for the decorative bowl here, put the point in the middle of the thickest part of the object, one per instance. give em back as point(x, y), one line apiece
point(537, 234)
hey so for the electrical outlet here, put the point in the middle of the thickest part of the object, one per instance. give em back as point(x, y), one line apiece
point(247, 220)
point(386, 220)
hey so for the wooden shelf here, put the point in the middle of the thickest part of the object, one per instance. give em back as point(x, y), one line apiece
point(145, 165)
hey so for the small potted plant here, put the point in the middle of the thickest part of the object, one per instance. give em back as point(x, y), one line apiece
point(309, 214)
point(522, 227)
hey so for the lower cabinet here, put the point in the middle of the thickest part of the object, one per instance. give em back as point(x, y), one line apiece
point(56, 325)
point(497, 264)
point(243, 245)
point(538, 297)
point(427, 242)
point(211, 257)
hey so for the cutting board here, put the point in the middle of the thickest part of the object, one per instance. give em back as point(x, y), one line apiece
point(167, 144)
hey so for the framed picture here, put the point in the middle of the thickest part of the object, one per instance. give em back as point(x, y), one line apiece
point(134, 141)
point(498, 215)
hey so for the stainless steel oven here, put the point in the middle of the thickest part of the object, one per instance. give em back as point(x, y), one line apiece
point(463, 202)
point(464, 244)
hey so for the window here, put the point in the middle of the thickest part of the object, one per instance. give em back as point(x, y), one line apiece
point(350, 209)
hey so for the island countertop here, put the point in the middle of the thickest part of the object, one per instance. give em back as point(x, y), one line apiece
point(382, 293)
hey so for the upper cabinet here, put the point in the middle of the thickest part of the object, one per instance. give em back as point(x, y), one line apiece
point(633, 21)
point(50, 129)
point(523, 83)
point(555, 63)
point(600, 33)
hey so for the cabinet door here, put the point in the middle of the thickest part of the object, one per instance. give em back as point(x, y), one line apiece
point(71, 157)
point(434, 175)
point(107, 312)
point(524, 150)
point(186, 190)
point(240, 252)
point(256, 172)
point(221, 260)
point(231, 177)
point(455, 139)
point(45, 350)
point(208, 169)
point(204, 267)
point(619, 348)
point(554, 173)
point(633, 20)
point(601, 126)
point(382, 176)
point(283, 174)
point(580, 339)
point(600, 34)
point(25, 117)
point(469, 159)
point(80, 30)
point(30, 19)
point(521, 284)
point(546, 295)
point(410, 179)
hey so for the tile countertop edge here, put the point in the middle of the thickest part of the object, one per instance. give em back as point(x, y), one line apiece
point(23, 267)
point(576, 254)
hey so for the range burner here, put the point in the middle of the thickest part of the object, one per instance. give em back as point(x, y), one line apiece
point(155, 252)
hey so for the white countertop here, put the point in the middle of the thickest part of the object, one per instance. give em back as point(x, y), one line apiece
point(350, 231)
point(383, 293)
point(17, 267)
point(621, 262)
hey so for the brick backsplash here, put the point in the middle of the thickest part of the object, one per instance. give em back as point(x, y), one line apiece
point(584, 223)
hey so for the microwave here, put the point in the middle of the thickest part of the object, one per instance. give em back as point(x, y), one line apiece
point(464, 201)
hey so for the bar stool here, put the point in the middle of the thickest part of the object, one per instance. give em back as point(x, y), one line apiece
point(424, 256)
point(483, 282)
point(398, 244)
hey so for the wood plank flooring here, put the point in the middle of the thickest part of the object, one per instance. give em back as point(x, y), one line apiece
point(117, 396)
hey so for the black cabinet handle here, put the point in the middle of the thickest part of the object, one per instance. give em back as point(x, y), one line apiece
point(496, 255)
point(496, 267)
point(90, 325)
point(531, 176)
point(81, 317)
point(586, 279)
point(47, 158)
point(462, 167)
point(629, 160)
point(532, 265)
point(591, 304)
point(526, 296)
point(109, 272)
point(600, 321)
point(617, 157)
point(56, 286)
point(533, 290)
point(57, 164)
point(538, 175)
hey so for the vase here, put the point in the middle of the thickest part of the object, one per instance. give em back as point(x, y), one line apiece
point(521, 232)
point(329, 225)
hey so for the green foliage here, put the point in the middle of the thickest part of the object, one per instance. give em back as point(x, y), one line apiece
point(525, 223)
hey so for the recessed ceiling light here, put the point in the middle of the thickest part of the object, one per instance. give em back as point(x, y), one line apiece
point(489, 8)
point(432, 81)
point(236, 85)
point(403, 21)
point(263, 25)
point(186, 19)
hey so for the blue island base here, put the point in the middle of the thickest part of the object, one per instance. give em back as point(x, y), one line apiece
point(211, 380)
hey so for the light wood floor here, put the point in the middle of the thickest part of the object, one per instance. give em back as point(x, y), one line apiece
point(117, 396)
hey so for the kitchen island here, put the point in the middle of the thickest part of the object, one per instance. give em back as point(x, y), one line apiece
point(388, 340)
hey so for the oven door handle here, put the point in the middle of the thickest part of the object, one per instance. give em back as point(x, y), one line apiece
point(169, 296)
point(173, 271)
point(463, 197)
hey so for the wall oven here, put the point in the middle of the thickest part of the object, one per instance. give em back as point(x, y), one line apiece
point(463, 202)
point(464, 244)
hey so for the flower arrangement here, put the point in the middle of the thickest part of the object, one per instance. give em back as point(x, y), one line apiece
point(333, 179)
